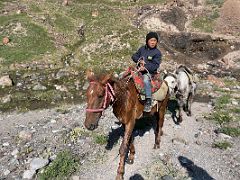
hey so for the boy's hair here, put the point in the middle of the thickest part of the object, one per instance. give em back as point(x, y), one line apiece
point(152, 35)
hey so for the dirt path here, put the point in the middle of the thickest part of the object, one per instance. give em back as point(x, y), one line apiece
point(188, 148)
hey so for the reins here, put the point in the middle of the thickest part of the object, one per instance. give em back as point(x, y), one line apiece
point(109, 92)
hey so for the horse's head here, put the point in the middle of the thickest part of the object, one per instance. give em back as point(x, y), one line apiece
point(171, 79)
point(99, 96)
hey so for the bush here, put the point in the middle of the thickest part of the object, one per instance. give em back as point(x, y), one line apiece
point(222, 145)
point(62, 167)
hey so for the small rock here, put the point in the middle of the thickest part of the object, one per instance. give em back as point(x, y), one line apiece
point(95, 13)
point(65, 2)
point(29, 174)
point(198, 142)
point(178, 140)
point(53, 121)
point(75, 178)
point(234, 102)
point(14, 152)
point(218, 82)
point(6, 81)
point(167, 177)
point(38, 163)
point(6, 99)
point(61, 88)
point(6, 172)
point(224, 136)
point(39, 87)
point(24, 135)
point(5, 144)
point(5, 40)
point(61, 73)
point(85, 86)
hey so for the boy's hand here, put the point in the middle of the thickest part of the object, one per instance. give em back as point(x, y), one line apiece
point(142, 62)
point(141, 68)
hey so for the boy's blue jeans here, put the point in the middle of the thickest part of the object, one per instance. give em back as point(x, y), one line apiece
point(147, 85)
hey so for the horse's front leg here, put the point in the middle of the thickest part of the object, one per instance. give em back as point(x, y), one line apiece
point(189, 104)
point(160, 120)
point(123, 149)
point(132, 151)
point(180, 108)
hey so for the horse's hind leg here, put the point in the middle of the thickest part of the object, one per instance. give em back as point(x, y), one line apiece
point(132, 151)
point(123, 149)
point(189, 104)
point(160, 120)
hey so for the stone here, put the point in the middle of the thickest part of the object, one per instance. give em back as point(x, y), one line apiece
point(5, 144)
point(65, 2)
point(6, 81)
point(61, 88)
point(234, 102)
point(25, 135)
point(224, 136)
point(6, 99)
point(6, 172)
point(38, 163)
point(85, 86)
point(15, 152)
point(218, 82)
point(5, 40)
point(75, 178)
point(29, 174)
point(39, 87)
point(167, 177)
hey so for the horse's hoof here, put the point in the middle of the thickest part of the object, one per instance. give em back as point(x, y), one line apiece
point(179, 120)
point(156, 146)
point(189, 113)
point(130, 161)
point(119, 177)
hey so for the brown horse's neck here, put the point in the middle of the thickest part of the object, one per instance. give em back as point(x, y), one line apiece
point(126, 99)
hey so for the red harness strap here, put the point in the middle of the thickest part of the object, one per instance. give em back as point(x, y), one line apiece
point(109, 92)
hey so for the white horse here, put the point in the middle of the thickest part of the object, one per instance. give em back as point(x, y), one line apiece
point(181, 83)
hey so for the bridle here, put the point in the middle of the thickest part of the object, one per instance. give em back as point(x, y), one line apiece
point(109, 92)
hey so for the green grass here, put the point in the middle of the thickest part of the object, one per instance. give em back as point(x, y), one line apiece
point(100, 139)
point(218, 3)
point(63, 23)
point(23, 46)
point(231, 131)
point(206, 23)
point(61, 168)
point(221, 117)
point(222, 145)
point(222, 101)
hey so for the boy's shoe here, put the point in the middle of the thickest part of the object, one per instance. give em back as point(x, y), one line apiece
point(148, 105)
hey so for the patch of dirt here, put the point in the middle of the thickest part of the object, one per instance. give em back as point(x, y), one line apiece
point(229, 21)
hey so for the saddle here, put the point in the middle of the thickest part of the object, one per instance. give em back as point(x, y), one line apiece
point(159, 86)
point(193, 79)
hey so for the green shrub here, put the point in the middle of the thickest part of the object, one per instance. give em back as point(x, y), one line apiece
point(222, 145)
point(231, 131)
point(218, 3)
point(100, 139)
point(61, 168)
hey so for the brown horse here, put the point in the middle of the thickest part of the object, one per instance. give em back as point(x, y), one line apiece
point(123, 96)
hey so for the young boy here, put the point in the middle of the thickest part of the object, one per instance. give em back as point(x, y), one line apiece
point(148, 58)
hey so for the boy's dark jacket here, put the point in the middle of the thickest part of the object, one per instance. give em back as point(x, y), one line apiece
point(152, 58)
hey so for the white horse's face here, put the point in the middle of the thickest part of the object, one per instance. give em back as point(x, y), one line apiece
point(172, 83)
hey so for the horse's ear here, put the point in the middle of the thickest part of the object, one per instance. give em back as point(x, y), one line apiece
point(106, 78)
point(90, 75)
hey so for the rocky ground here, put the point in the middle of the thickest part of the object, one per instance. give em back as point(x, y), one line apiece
point(42, 89)
point(31, 140)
